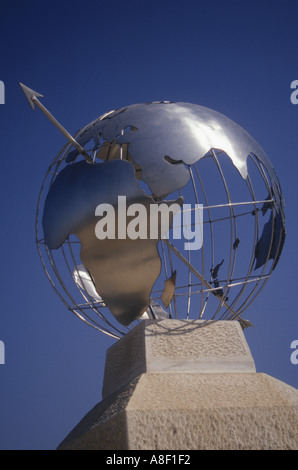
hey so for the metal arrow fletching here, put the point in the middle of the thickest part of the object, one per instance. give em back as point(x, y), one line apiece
point(28, 92)
point(32, 97)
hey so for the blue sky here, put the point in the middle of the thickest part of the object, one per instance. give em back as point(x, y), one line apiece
point(236, 57)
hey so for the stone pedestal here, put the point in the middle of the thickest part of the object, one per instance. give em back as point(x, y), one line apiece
point(185, 385)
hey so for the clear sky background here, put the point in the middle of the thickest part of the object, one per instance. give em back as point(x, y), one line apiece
point(236, 57)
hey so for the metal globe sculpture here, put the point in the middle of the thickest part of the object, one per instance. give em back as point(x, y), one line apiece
point(112, 264)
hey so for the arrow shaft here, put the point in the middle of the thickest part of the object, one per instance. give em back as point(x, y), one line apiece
point(61, 128)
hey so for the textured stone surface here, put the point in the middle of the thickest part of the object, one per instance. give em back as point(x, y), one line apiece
point(185, 408)
point(177, 345)
point(217, 411)
point(193, 411)
point(104, 427)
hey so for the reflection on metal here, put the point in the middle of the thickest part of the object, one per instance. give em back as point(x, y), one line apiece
point(214, 271)
point(149, 153)
point(123, 270)
point(169, 290)
point(236, 243)
point(160, 133)
point(269, 247)
point(84, 281)
point(155, 312)
point(214, 276)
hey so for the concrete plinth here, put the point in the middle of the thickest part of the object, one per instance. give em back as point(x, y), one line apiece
point(185, 385)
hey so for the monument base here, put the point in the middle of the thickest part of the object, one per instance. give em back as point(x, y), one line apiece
point(185, 385)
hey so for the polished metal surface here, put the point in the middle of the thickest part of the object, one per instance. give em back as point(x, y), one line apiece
point(123, 269)
point(163, 137)
point(149, 153)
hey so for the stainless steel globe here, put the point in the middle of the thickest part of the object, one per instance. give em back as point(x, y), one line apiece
point(231, 215)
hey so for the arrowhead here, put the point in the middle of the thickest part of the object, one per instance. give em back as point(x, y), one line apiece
point(29, 93)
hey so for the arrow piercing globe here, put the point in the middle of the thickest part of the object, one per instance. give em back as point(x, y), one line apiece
point(158, 210)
